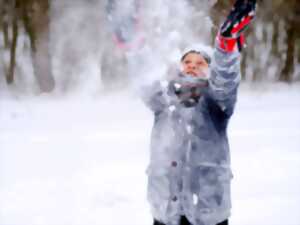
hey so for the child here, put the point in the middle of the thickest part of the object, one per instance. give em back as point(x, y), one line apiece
point(189, 173)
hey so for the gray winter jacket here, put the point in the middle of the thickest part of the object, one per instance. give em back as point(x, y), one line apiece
point(189, 172)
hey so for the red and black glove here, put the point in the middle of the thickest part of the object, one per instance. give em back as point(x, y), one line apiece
point(230, 36)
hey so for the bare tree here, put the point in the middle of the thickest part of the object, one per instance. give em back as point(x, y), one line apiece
point(8, 18)
point(13, 46)
point(34, 16)
point(292, 24)
point(4, 21)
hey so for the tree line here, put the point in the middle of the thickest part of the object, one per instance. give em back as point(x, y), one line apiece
point(274, 43)
point(273, 46)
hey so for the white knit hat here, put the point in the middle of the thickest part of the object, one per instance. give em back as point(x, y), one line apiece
point(205, 50)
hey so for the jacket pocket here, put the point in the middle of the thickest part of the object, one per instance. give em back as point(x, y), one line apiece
point(208, 188)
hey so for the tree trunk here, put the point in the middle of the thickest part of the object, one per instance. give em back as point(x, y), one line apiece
point(4, 10)
point(288, 69)
point(28, 25)
point(5, 34)
point(13, 48)
point(37, 25)
point(42, 62)
point(275, 38)
point(244, 65)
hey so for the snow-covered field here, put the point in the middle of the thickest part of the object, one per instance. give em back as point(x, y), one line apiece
point(81, 160)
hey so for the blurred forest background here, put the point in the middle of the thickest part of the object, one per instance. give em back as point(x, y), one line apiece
point(27, 29)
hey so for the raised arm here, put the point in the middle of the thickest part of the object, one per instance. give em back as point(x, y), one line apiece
point(225, 67)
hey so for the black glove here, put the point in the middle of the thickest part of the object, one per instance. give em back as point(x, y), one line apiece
point(231, 35)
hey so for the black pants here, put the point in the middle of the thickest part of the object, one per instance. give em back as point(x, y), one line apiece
point(184, 221)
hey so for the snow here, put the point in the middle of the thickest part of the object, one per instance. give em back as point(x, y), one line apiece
point(72, 161)
point(81, 160)
point(265, 151)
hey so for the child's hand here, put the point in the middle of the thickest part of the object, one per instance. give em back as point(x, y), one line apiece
point(231, 36)
point(188, 89)
point(239, 18)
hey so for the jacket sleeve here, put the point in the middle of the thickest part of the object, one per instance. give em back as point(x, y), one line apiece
point(157, 96)
point(224, 79)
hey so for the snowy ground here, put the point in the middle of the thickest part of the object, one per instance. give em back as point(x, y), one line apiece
point(81, 160)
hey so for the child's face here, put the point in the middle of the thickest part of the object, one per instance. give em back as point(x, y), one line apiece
point(195, 65)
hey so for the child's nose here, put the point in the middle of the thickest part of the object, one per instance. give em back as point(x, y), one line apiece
point(193, 66)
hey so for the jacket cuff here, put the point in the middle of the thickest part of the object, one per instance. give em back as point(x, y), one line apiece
point(230, 44)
